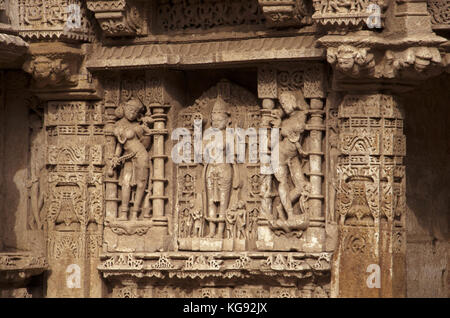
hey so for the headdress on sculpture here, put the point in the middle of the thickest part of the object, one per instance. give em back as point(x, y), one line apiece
point(220, 106)
point(136, 103)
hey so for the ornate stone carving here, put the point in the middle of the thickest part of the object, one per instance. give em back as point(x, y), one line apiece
point(176, 15)
point(119, 17)
point(54, 67)
point(350, 60)
point(371, 180)
point(348, 14)
point(291, 155)
point(62, 20)
point(50, 71)
point(122, 262)
point(286, 13)
point(414, 62)
point(440, 13)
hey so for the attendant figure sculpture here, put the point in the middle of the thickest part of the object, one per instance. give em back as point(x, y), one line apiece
point(131, 155)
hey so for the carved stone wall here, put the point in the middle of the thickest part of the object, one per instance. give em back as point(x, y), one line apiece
point(427, 220)
point(205, 148)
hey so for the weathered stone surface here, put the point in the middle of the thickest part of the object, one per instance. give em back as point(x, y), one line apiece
point(207, 148)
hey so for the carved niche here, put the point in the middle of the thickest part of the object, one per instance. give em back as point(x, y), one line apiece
point(136, 176)
point(210, 219)
point(218, 203)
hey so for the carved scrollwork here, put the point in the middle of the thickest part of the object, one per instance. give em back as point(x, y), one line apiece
point(119, 17)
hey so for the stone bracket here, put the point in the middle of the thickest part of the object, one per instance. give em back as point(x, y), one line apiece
point(58, 72)
point(118, 18)
point(378, 66)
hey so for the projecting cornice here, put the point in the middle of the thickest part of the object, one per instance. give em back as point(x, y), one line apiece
point(204, 53)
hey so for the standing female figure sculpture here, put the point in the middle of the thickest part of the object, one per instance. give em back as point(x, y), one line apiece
point(131, 154)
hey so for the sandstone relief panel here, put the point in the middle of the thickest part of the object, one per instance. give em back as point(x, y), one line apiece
point(190, 190)
point(205, 148)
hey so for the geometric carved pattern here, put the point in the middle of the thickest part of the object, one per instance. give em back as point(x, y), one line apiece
point(372, 146)
point(176, 15)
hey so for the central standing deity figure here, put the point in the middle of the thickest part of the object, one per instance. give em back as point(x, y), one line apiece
point(219, 177)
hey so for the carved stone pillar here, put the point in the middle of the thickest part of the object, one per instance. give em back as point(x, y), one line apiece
point(370, 259)
point(159, 178)
point(315, 235)
point(73, 138)
point(74, 203)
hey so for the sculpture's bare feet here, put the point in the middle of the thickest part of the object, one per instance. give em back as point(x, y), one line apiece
point(123, 215)
point(133, 214)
